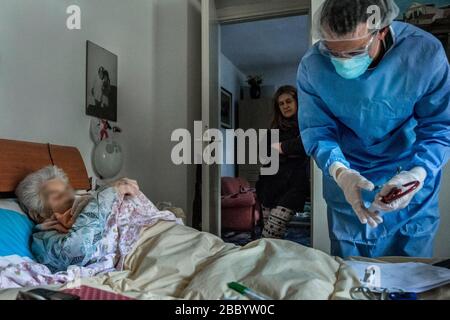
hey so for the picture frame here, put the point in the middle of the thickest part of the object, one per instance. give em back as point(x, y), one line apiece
point(226, 108)
point(101, 82)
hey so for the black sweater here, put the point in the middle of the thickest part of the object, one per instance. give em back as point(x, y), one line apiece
point(292, 146)
point(288, 188)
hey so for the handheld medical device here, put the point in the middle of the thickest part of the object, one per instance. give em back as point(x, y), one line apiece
point(398, 193)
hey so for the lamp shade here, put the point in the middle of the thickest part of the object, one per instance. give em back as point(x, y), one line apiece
point(108, 158)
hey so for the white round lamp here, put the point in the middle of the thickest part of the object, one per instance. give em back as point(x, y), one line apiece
point(108, 158)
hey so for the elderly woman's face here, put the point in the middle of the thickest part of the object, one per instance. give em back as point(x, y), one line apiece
point(58, 196)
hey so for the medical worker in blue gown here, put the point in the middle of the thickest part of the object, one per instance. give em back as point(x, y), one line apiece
point(375, 97)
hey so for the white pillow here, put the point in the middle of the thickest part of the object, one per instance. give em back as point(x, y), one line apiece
point(11, 204)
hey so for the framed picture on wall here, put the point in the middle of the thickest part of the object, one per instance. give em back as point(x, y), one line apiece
point(101, 82)
point(226, 110)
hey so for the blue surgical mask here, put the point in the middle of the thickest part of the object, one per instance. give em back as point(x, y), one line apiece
point(352, 68)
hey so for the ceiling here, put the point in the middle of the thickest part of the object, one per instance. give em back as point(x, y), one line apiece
point(266, 44)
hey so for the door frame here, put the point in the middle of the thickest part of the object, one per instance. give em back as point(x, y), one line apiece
point(245, 11)
point(211, 188)
point(252, 10)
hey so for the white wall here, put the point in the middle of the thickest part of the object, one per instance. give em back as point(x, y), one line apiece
point(178, 93)
point(42, 80)
point(231, 78)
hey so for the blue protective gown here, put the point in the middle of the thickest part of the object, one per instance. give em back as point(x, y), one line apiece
point(396, 115)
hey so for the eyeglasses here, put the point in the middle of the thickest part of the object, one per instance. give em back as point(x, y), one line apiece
point(323, 48)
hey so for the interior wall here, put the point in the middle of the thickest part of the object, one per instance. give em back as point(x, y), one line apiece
point(177, 97)
point(232, 79)
point(42, 80)
point(271, 48)
point(278, 76)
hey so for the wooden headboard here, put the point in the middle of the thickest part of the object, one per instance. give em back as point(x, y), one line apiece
point(18, 159)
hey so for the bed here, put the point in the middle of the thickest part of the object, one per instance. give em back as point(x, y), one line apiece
point(172, 261)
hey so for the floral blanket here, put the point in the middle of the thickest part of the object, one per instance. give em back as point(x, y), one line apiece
point(102, 236)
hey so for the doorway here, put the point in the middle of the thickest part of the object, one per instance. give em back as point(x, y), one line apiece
point(268, 49)
point(262, 53)
point(216, 13)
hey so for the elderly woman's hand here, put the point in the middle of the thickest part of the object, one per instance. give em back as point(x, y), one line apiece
point(66, 219)
point(127, 187)
point(53, 224)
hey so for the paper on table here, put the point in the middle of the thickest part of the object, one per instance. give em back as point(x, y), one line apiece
point(409, 277)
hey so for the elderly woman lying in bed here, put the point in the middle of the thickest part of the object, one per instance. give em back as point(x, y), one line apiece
point(98, 228)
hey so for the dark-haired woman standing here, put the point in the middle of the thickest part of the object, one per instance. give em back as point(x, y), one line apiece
point(284, 194)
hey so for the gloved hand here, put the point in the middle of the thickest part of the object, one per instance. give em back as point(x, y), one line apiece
point(352, 183)
point(405, 177)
